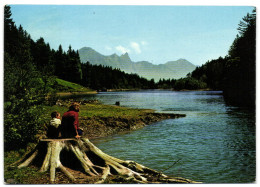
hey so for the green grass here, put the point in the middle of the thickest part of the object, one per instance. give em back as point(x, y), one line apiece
point(20, 176)
point(90, 110)
point(70, 86)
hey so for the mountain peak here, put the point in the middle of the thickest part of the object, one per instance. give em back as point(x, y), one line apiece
point(87, 49)
point(172, 69)
point(114, 54)
point(126, 54)
point(126, 57)
point(181, 59)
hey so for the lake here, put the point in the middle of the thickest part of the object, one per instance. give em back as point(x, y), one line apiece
point(214, 143)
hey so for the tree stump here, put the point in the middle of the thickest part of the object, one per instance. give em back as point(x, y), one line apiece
point(52, 154)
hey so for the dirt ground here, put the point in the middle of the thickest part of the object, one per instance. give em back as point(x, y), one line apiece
point(96, 127)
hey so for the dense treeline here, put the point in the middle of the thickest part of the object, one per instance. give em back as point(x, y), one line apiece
point(30, 71)
point(211, 73)
point(25, 87)
point(240, 79)
point(101, 78)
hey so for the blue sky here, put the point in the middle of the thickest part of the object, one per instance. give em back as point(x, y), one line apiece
point(151, 33)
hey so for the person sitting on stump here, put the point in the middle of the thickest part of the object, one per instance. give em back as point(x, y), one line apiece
point(70, 122)
point(54, 125)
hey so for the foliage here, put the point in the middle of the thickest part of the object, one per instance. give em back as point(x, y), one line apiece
point(101, 78)
point(166, 84)
point(240, 80)
point(189, 83)
point(21, 125)
point(25, 87)
point(212, 73)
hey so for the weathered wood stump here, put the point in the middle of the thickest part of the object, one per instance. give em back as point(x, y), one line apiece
point(53, 154)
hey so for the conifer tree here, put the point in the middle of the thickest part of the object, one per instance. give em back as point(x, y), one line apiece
point(240, 82)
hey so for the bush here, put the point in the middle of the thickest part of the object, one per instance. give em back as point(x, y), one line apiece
point(22, 121)
point(189, 83)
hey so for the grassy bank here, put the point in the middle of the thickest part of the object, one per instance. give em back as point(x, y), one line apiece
point(100, 120)
point(97, 120)
point(93, 108)
point(66, 88)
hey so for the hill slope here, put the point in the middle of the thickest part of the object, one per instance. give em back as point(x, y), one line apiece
point(172, 69)
point(66, 86)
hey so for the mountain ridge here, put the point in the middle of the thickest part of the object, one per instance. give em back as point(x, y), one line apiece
point(171, 69)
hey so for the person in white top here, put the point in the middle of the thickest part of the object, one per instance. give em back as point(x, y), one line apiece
point(53, 128)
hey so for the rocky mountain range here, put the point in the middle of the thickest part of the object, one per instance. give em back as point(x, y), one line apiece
point(172, 69)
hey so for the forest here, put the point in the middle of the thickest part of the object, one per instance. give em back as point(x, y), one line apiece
point(31, 68)
point(235, 73)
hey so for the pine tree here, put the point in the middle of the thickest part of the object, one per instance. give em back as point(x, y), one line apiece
point(240, 82)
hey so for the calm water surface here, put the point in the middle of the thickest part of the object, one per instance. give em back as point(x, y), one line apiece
point(214, 143)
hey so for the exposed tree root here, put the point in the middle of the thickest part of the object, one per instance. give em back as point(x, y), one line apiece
point(81, 154)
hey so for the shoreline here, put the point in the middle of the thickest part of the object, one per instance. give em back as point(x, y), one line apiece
point(71, 94)
point(100, 127)
point(125, 89)
point(98, 121)
point(101, 120)
point(186, 90)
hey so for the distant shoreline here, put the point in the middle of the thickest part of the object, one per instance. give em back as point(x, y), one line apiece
point(64, 94)
point(121, 90)
point(186, 90)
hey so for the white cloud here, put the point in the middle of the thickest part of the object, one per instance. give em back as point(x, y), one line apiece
point(136, 47)
point(144, 43)
point(122, 49)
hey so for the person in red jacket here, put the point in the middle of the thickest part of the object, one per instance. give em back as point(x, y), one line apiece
point(70, 122)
